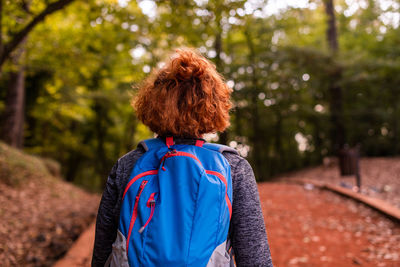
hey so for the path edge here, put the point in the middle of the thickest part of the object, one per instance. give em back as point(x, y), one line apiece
point(73, 255)
point(377, 204)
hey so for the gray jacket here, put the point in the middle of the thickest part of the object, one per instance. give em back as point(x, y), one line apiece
point(247, 229)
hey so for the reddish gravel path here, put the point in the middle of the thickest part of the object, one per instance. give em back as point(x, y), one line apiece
point(320, 228)
point(309, 228)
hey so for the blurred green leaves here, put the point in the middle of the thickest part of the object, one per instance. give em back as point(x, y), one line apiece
point(82, 63)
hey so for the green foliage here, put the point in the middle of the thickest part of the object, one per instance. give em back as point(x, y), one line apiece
point(83, 61)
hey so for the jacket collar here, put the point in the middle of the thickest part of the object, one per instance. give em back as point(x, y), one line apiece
point(182, 140)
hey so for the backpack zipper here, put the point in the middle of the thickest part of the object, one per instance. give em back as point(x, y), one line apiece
point(151, 203)
point(174, 153)
point(134, 213)
point(167, 155)
point(134, 179)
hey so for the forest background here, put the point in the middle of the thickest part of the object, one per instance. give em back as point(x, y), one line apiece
point(308, 77)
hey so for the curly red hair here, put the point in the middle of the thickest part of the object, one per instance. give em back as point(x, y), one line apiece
point(187, 97)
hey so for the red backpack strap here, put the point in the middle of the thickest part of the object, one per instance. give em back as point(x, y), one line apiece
point(199, 143)
point(169, 141)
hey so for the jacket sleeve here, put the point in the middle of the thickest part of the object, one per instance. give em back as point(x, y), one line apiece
point(249, 238)
point(106, 224)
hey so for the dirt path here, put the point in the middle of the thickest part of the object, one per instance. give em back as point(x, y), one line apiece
point(307, 228)
point(320, 228)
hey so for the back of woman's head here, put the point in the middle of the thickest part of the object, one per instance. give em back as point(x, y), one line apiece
point(187, 97)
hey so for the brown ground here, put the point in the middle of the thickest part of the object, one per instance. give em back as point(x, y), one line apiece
point(40, 214)
point(309, 228)
point(40, 221)
point(320, 228)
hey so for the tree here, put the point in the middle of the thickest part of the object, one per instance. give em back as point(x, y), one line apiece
point(13, 118)
point(81, 64)
point(80, 114)
point(17, 38)
point(335, 90)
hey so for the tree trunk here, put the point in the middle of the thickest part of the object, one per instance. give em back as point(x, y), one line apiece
point(223, 137)
point(14, 117)
point(73, 165)
point(331, 32)
point(1, 30)
point(278, 143)
point(396, 146)
point(318, 141)
point(255, 117)
point(336, 107)
point(102, 166)
point(335, 91)
point(129, 134)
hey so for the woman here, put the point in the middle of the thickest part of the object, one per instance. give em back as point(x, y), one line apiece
point(186, 99)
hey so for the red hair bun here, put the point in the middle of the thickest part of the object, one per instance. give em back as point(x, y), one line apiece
point(187, 97)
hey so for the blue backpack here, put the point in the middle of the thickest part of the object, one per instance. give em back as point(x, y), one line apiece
point(176, 207)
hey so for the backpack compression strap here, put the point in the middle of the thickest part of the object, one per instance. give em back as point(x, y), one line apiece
point(220, 148)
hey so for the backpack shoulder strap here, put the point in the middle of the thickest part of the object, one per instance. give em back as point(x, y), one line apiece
point(220, 148)
point(151, 143)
